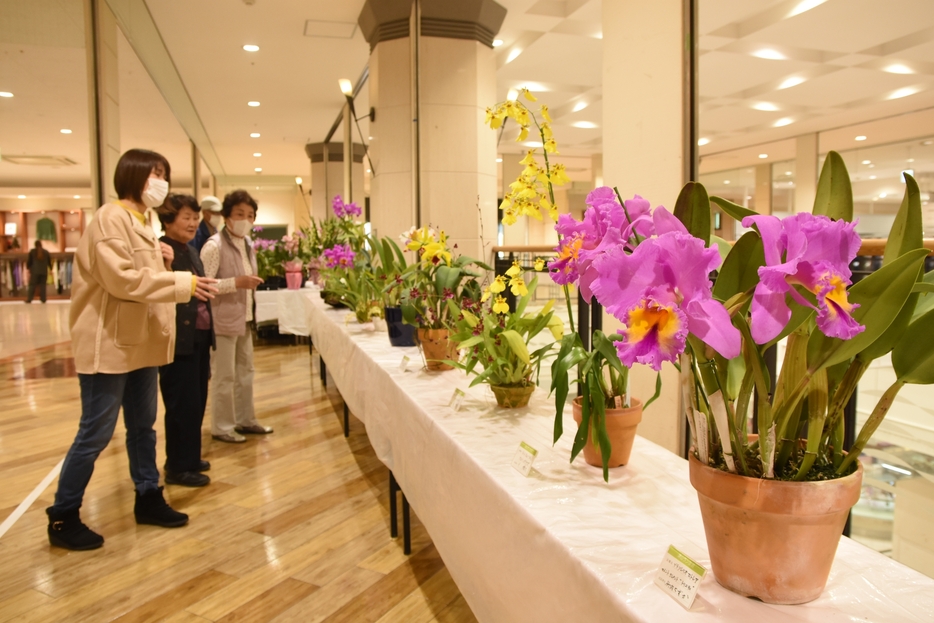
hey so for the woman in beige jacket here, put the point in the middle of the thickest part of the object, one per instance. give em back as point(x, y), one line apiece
point(122, 328)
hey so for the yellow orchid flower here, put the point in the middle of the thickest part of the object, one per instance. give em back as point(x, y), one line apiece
point(545, 114)
point(528, 95)
point(498, 285)
point(500, 306)
point(517, 286)
point(509, 218)
point(486, 295)
point(523, 134)
point(514, 270)
point(546, 131)
point(436, 250)
point(539, 264)
point(522, 116)
point(551, 146)
point(529, 158)
point(559, 176)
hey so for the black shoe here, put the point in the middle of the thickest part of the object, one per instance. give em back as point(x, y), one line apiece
point(186, 479)
point(203, 466)
point(68, 531)
point(151, 508)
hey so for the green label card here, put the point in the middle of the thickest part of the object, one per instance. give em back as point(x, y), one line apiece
point(523, 458)
point(679, 577)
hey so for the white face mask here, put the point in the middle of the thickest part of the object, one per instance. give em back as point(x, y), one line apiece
point(240, 228)
point(216, 219)
point(155, 192)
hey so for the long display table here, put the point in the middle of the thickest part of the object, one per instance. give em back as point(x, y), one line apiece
point(560, 545)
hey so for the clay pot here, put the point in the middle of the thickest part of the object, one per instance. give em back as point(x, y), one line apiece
point(512, 397)
point(437, 346)
point(772, 539)
point(621, 427)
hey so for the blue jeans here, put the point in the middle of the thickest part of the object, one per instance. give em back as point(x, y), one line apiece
point(102, 395)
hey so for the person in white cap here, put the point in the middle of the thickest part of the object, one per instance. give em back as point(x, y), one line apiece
point(210, 221)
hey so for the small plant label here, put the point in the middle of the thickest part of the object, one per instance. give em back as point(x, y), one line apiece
point(523, 459)
point(679, 577)
point(404, 365)
point(457, 399)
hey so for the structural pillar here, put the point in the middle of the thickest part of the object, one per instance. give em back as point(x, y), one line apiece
point(763, 201)
point(328, 176)
point(195, 172)
point(648, 146)
point(104, 99)
point(432, 76)
point(806, 147)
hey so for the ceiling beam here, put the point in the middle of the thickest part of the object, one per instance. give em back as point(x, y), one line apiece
point(141, 31)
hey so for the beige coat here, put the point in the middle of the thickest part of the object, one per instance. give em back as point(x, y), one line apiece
point(122, 297)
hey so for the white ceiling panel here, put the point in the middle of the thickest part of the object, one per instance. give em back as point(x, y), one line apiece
point(725, 73)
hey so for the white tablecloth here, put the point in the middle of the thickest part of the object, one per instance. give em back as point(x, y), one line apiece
point(288, 308)
point(560, 545)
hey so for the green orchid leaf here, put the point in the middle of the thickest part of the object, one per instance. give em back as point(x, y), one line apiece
point(693, 210)
point(913, 356)
point(907, 232)
point(880, 297)
point(740, 270)
point(517, 344)
point(736, 211)
point(473, 341)
point(925, 301)
point(922, 287)
point(658, 391)
point(834, 192)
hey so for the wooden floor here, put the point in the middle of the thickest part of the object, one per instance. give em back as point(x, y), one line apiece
point(293, 527)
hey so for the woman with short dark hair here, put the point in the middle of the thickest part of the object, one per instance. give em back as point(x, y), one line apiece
point(184, 382)
point(122, 321)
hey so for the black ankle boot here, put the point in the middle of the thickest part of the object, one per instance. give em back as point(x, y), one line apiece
point(151, 508)
point(68, 531)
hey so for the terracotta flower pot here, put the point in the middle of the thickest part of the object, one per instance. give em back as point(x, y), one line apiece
point(772, 539)
point(512, 397)
point(437, 346)
point(621, 427)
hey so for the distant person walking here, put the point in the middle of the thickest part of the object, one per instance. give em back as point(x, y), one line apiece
point(211, 220)
point(38, 264)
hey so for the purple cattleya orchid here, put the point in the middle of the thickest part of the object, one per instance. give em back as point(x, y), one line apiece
point(605, 226)
point(340, 255)
point(342, 209)
point(812, 251)
point(661, 292)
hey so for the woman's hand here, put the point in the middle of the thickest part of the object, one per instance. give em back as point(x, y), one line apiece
point(247, 282)
point(168, 255)
point(205, 288)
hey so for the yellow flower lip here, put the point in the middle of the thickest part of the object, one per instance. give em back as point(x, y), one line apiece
point(500, 306)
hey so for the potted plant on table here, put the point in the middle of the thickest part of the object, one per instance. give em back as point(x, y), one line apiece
point(345, 232)
point(392, 280)
point(497, 341)
point(440, 282)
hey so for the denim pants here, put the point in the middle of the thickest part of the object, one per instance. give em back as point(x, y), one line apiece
point(102, 395)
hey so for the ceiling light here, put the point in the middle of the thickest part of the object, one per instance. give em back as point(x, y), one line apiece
point(769, 54)
point(900, 93)
point(910, 160)
point(513, 55)
point(5, 94)
point(726, 181)
point(763, 155)
point(882, 195)
point(257, 154)
point(804, 5)
point(254, 134)
point(860, 138)
point(251, 48)
point(512, 95)
point(703, 141)
point(533, 144)
point(897, 470)
point(899, 69)
point(587, 125)
point(579, 106)
point(65, 131)
point(298, 181)
point(872, 177)
point(793, 81)
point(258, 169)
point(765, 106)
point(346, 86)
point(783, 122)
point(252, 104)
point(872, 166)
point(787, 172)
point(867, 161)
point(77, 196)
point(928, 143)
point(497, 43)
point(20, 196)
point(499, 160)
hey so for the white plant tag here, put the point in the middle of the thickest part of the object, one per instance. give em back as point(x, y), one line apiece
point(718, 406)
point(457, 399)
point(523, 458)
point(404, 364)
point(679, 577)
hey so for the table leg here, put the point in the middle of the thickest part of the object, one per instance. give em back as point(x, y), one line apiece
point(406, 527)
point(346, 421)
point(393, 519)
point(323, 369)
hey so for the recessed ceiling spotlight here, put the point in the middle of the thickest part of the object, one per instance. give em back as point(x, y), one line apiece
point(579, 106)
point(763, 155)
point(787, 172)
point(900, 93)
point(726, 181)
point(77, 196)
point(872, 166)
point(783, 122)
point(860, 138)
point(703, 141)
point(499, 160)
point(927, 143)
point(804, 5)
point(867, 161)
point(898, 68)
point(882, 195)
point(251, 48)
point(257, 154)
point(769, 54)
point(20, 196)
point(910, 160)
point(533, 144)
point(512, 94)
point(298, 181)
point(587, 125)
point(252, 104)
point(872, 177)
point(258, 169)
point(793, 81)
point(497, 43)
point(65, 131)
point(254, 134)
point(765, 106)
point(5, 94)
